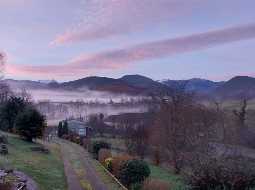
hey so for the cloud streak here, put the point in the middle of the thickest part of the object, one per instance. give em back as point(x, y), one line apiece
point(106, 18)
point(121, 58)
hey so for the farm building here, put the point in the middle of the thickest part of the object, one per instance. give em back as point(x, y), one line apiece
point(78, 127)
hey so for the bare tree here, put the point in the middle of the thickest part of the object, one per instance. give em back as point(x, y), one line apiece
point(5, 91)
point(182, 128)
point(241, 114)
point(2, 64)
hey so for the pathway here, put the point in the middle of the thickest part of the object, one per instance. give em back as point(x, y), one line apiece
point(79, 169)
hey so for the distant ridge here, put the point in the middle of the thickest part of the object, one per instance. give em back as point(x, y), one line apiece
point(237, 87)
point(141, 85)
point(195, 84)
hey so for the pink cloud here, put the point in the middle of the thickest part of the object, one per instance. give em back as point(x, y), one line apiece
point(121, 58)
point(105, 18)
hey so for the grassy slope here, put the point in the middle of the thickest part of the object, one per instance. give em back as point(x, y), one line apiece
point(46, 169)
point(164, 175)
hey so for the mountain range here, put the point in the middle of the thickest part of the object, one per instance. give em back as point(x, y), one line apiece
point(141, 85)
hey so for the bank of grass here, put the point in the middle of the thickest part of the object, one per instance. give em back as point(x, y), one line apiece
point(175, 181)
point(46, 169)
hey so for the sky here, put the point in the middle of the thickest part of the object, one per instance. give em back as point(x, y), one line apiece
point(162, 39)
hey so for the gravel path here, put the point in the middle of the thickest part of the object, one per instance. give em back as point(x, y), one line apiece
point(91, 176)
point(72, 179)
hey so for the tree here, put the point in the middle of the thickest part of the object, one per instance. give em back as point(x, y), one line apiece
point(30, 124)
point(241, 114)
point(10, 110)
point(65, 128)
point(182, 128)
point(60, 129)
point(5, 92)
point(2, 64)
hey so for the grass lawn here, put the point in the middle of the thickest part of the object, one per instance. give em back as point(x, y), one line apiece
point(46, 169)
point(162, 174)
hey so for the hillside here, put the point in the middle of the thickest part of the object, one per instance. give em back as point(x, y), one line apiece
point(196, 84)
point(101, 84)
point(141, 85)
point(237, 87)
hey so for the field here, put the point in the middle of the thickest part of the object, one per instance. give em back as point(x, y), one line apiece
point(46, 169)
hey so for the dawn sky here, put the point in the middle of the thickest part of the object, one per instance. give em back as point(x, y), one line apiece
point(176, 39)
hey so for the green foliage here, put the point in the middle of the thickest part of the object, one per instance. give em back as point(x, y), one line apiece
point(9, 112)
point(95, 146)
point(108, 164)
point(30, 124)
point(134, 172)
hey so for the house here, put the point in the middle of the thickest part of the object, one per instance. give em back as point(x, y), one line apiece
point(78, 127)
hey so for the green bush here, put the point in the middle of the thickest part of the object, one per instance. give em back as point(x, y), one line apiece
point(108, 164)
point(134, 172)
point(96, 146)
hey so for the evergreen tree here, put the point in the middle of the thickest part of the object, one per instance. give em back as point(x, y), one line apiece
point(30, 124)
point(65, 128)
point(60, 129)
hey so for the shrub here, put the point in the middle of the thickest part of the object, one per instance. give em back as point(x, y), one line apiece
point(226, 173)
point(96, 146)
point(133, 172)
point(155, 184)
point(103, 154)
point(117, 162)
point(108, 164)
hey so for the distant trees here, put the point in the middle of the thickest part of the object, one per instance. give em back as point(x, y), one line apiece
point(30, 124)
